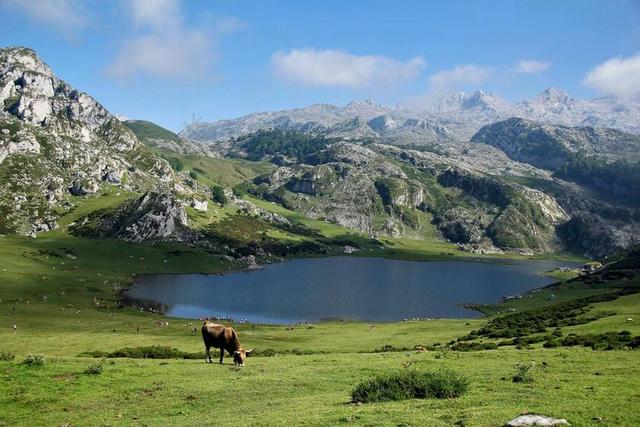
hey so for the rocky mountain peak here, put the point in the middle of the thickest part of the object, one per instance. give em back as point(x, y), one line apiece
point(484, 100)
point(458, 102)
point(553, 96)
point(57, 142)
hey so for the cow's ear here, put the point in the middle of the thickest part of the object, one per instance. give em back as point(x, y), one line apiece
point(236, 352)
point(248, 352)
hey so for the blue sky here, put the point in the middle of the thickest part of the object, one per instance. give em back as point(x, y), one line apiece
point(164, 60)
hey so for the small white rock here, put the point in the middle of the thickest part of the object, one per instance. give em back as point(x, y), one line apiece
point(536, 420)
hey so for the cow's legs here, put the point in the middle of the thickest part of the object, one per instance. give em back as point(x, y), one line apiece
point(221, 355)
point(207, 357)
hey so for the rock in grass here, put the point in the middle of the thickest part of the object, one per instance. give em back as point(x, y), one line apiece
point(536, 420)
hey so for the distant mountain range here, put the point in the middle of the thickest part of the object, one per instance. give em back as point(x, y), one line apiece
point(455, 117)
point(465, 169)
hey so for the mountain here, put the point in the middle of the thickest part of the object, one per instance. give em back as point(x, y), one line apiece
point(551, 146)
point(478, 101)
point(57, 143)
point(516, 185)
point(454, 117)
point(155, 136)
point(555, 106)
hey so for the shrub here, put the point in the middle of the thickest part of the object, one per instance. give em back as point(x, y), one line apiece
point(474, 346)
point(5, 356)
point(388, 348)
point(34, 360)
point(604, 341)
point(524, 372)
point(267, 352)
point(154, 352)
point(411, 384)
point(218, 196)
point(551, 344)
point(95, 369)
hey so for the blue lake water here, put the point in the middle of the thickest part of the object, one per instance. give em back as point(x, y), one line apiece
point(354, 288)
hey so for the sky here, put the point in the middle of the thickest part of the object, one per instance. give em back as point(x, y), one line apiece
point(172, 61)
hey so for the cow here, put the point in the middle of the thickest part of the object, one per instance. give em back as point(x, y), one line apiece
point(224, 338)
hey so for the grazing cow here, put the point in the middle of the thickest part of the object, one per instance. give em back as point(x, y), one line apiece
point(224, 338)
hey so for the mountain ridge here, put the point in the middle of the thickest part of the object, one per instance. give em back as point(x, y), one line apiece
point(459, 114)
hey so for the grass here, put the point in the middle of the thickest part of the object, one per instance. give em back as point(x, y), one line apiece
point(310, 377)
point(61, 292)
point(222, 171)
point(147, 130)
point(315, 390)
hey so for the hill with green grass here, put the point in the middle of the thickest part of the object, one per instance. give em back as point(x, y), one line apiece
point(154, 136)
point(104, 208)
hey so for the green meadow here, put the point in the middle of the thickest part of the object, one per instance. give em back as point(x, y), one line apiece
point(62, 294)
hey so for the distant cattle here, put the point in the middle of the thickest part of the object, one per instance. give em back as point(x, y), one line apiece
point(224, 338)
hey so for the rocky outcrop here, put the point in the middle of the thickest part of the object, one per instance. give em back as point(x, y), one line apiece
point(57, 143)
point(551, 146)
point(152, 216)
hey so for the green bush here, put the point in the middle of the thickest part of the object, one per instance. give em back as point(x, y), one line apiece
point(217, 195)
point(605, 341)
point(551, 344)
point(6, 356)
point(474, 346)
point(411, 384)
point(388, 348)
point(95, 369)
point(524, 372)
point(150, 352)
point(34, 360)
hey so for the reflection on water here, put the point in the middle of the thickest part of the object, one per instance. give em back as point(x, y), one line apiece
point(343, 288)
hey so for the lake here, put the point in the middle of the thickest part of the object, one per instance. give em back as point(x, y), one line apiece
point(354, 288)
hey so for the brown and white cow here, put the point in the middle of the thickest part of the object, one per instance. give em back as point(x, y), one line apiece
point(224, 338)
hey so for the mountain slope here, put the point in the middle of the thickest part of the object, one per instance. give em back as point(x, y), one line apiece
point(57, 143)
point(455, 117)
point(152, 135)
point(551, 146)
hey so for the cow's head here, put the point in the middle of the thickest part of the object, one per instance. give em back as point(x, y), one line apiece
point(240, 355)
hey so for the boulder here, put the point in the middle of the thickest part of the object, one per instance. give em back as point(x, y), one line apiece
point(536, 420)
point(198, 205)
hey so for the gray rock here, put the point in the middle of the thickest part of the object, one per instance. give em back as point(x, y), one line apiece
point(536, 420)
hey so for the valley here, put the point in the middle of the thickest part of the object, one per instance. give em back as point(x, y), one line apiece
point(89, 203)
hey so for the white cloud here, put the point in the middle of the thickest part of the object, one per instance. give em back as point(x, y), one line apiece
point(339, 68)
point(164, 45)
point(530, 66)
point(160, 15)
point(181, 54)
point(229, 25)
point(616, 76)
point(448, 80)
point(68, 17)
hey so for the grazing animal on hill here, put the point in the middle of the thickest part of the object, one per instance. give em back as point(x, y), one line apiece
point(224, 338)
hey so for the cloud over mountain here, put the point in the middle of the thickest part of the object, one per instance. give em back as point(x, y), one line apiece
point(163, 44)
point(616, 76)
point(530, 66)
point(447, 80)
point(339, 68)
point(67, 17)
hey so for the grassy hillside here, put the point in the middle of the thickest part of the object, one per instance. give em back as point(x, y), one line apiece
point(209, 170)
point(146, 130)
point(80, 313)
point(62, 293)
